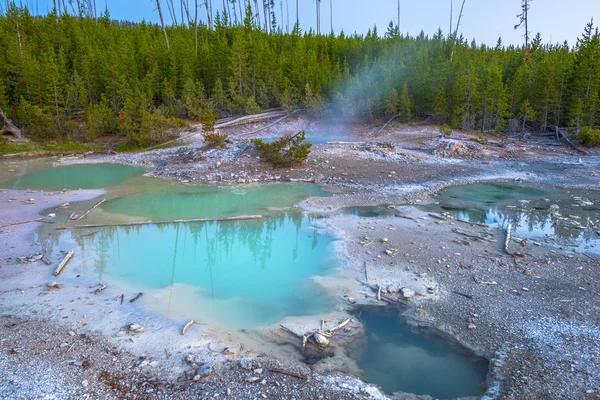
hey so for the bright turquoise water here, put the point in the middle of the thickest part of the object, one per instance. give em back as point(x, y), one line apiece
point(575, 222)
point(238, 274)
point(168, 201)
point(88, 176)
point(400, 360)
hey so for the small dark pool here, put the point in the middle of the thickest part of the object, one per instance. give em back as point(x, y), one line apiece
point(399, 359)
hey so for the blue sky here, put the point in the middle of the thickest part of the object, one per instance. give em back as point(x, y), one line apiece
point(484, 20)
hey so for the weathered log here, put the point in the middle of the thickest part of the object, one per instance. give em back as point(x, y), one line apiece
point(387, 123)
point(272, 124)
point(64, 262)
point(186, 327)
point(8, 126)
point(177, 221)
point(250, 118)
point(136, 298)
point(338, 327)
point(507, 241)
point(23, 222)
point(91, 209)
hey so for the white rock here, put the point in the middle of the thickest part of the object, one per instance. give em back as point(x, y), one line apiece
point(407, 293)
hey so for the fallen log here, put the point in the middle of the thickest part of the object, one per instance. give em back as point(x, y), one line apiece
point(387, 123)
point(23, 222)
point(64, 262)
point(507, 241)
point(472, 236)
point(186, 327)
point(91, 209)
point(272, 124)
point(250, 118)
point(176, 221)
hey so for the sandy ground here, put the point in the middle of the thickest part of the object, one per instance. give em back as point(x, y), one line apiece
point(539, 323)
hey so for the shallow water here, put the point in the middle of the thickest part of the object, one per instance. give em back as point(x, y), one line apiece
point(576, 221)
point(400, 360)
point(369, 211)
point(88, 176)
point(243, 274)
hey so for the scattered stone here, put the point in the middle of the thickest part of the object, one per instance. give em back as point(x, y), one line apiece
point(252, 379)
point(205, 370)
point(193, 359)
point(246, 364)
point(54, 286)
point(471, 326)
point(384, 240)
point(85, 383)
point(258, 371)
point(320, 339)
point(31, 259)
point(407, 293)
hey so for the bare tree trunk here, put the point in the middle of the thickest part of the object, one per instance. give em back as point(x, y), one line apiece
point(287, 11)
point(234, 11)
point(162, 23)
point(196, 23)
point(266, 18)
point(451, 10)
point(456, 30)
point(257, 10)
point(241, 14)
point(331, 14)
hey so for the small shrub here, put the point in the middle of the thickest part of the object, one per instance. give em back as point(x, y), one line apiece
point(480, 139)
point(215, 138)
point(284, 152)
point(446, 130)
point(589, 136)
point(208, 119)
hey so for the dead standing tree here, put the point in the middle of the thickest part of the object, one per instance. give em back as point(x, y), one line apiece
point(162, 23)
point(523, 20)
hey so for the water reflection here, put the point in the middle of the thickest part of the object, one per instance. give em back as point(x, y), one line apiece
point(570, 216)
point(238, 273)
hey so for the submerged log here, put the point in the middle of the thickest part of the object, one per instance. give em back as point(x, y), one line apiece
point(91, 209)
point(176, 221)
point(64, 262)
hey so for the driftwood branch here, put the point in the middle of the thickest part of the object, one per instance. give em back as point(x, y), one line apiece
point(23, 222)
point(91, 209)
point(177, 221)
point(186, 327)
point(101, 288)
point(284, 372)
point(136, 298)
point(64, 262)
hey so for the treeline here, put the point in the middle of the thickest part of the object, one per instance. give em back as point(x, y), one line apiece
point(79, 78)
